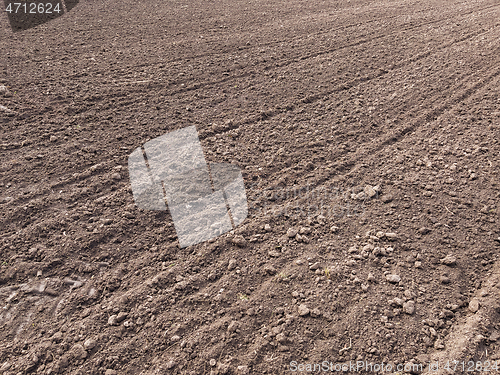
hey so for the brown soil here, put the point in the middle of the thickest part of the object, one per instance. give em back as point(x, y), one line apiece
point(317, 102)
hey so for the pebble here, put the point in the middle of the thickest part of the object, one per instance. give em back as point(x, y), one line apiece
point(232, 264)
point(112, 321)
point(393, 278)
point(424, 230)
point(303, 310)
point(110, 372)
point(116, 176)
point(270, 270)
point(5, 91)
point(233, 326)
point(267, 228)
point(449, 260)
point(121, 316)
point(315, 313)
point(175, 338)
point(444, 279)
point(371, 191)
point(78, 352)
point(474, 305)
point(243, 370)
point(213, 362)
point(387, 198)
point(53, 138)
point(315, 266)
point(281, 338)
point(89, 344)
point(370, 277)
point(273, 253)
point(334, 229)
point(409, 307)
point(391, 236)
point(239, 241)
point(5, 366)
point(291, 233)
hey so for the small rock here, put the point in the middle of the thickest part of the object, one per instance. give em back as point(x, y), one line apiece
point(4, 91)
point(391, 236)
point(303, 310)
point(270, 270)
point(251, 311)
point(232, 264)
point(315, 266)
point(396, 301)
point(5, 366)
point(121, 316)
point(281, 338)
point(175, 338)
point(449, 260)
point(444, 279)
point(315, 313)
point(334, 229)
point(370, 191)
point(439, 344)
point(273, 253)
point(170, 365)
point(370, 277)
point(243, 370)
point(447, 314)
point(89, 344)
point(112, 321)
point(387, 198)
point(304, 239)
point(393, 278)
point(116, 176)
point(110, 372)
point(213, 362)
point(409, 307)
point(239, 241)
point(305, 230)
point(418, 264)
point(53, 138)
point(495, 335)
point(424, 230)
point(291, 233)
point(267, 228)
point(474, 305)
point(78, 352)
point(233, 326)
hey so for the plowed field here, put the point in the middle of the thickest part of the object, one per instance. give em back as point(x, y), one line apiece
point(367, 133)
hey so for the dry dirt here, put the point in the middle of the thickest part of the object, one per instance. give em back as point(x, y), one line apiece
point(371, 127)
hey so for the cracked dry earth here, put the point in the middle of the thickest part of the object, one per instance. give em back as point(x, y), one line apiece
point(368, 136)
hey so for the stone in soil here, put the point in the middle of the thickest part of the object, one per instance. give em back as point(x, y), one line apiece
point(303, 310)
point(474, 305)
point(239, 241)
point(449, 260)
point(393, 278)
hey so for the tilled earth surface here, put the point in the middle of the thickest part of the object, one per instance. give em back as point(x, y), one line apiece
point(368, 137)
